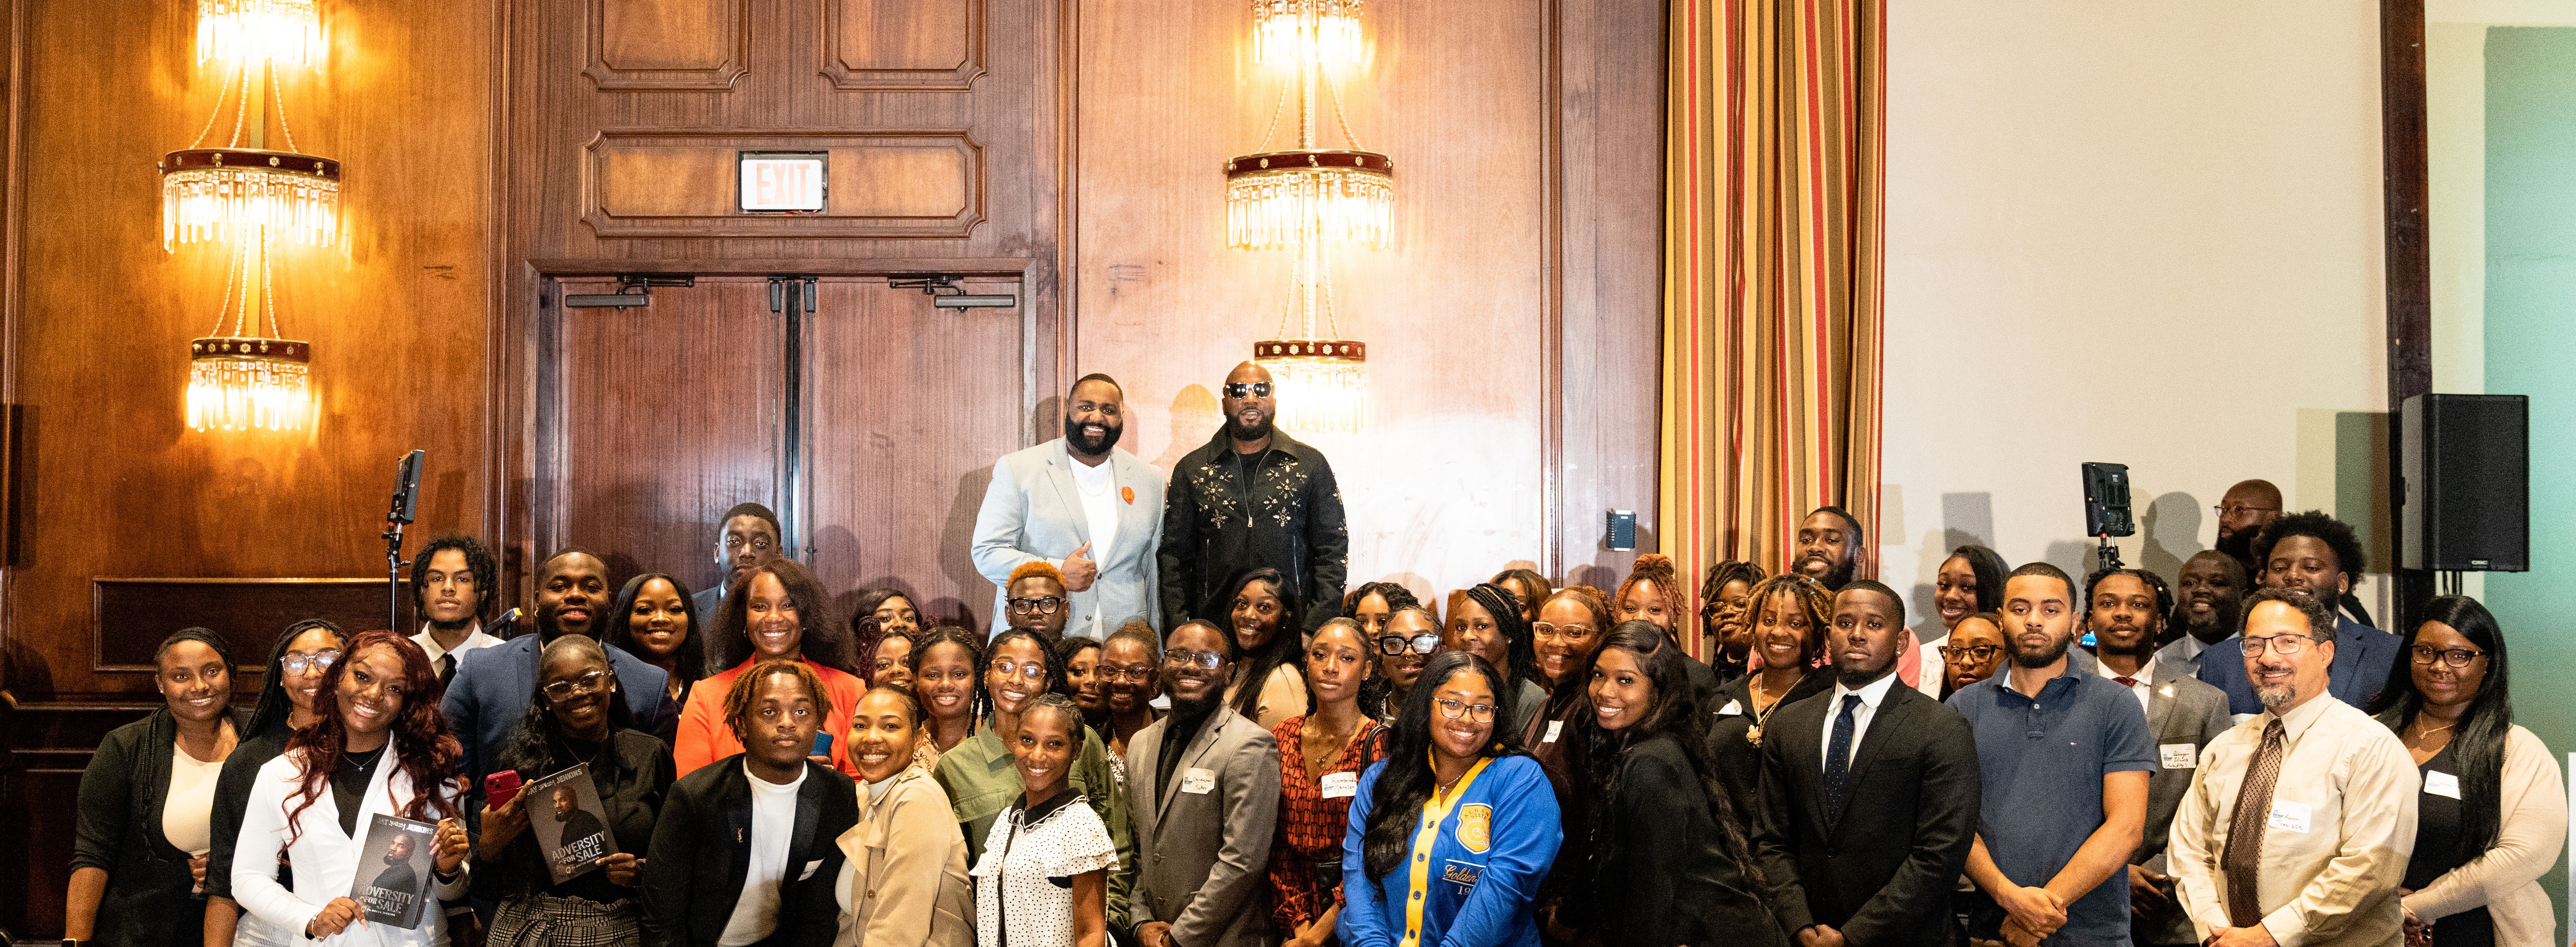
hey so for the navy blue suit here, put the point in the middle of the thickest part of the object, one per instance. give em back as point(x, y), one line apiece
point(2363, 658)
point(492, 688)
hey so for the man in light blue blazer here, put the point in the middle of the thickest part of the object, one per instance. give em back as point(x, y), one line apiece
point(1082, 505)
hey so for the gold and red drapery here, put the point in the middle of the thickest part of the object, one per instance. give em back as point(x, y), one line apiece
point(1773, 276)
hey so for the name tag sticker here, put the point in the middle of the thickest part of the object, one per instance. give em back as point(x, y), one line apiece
point(1341, 785)
point(1200, 782)
point(2289, 816)
point(1554, 727)
point(2179, 755)
point(1731, 709)
point(809, 869)
point(2442, 784)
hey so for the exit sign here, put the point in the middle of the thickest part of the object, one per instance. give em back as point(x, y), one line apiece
point(775, 182)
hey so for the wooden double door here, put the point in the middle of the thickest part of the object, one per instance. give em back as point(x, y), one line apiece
point(866, 417)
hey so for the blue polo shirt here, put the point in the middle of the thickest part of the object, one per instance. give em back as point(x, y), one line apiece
point(2043, 761)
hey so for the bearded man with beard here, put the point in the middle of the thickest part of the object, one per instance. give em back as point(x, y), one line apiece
point(1828, 550)
point(1082, 506)
point(1252, 497)
point(2206, 596)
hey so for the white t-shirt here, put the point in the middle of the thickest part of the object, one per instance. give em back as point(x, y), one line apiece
point(190, 803)
point(1099, 489)
point(773, 828)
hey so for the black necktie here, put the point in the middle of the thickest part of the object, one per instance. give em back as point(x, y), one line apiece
point(447, 669)
point(1838, 763)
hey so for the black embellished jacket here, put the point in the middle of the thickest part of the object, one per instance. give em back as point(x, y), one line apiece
point(1287, 516)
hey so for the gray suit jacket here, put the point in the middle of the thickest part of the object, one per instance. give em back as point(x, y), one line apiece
point(1206, 855)
point(1033, 511)
point(2180, 710)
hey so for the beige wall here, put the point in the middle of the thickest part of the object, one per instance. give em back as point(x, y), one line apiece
point(2148, 234)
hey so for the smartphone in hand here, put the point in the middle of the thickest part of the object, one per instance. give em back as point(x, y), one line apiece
point(499, 788)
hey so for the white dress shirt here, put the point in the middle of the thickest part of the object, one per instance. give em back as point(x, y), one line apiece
point(1870, 695)
point(1098, 486)
point(429, 643)
point(2145, 678)
point(773, 829)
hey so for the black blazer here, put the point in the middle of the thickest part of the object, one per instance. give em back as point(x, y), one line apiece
point(232, 798)
point(1671, 880)
point(1886, 872)
point(702, 849)
point(117, 829)
point(632, 775)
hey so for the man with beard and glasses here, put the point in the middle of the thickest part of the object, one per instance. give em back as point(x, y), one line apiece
point(2243, 511)
point(493, 685)
point(1082, 506)
point(1829, 547)
point(2065, 755)
point(1205, 785)
point(747, 538)
point(2183, 715)
point(2206, 597)
point(1252, 497)
point(2315, 554)
point(1869, 795)
point(452, 581)
point(2298, 827)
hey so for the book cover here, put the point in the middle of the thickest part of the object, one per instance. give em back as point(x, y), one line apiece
point(571, 826)
point(393, 878)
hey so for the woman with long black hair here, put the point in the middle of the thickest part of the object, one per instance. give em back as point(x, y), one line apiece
point(2493, 812)
point(1663, 830)
point(1266, 625)
point(656, 620)
point(378, 746)
point(576, 717)
point(1451, 833)
point(297, 665)
point(141, 828)
point(777, 611)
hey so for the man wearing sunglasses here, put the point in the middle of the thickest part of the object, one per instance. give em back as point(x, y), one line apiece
point(1085, 509)
point(1252, 497)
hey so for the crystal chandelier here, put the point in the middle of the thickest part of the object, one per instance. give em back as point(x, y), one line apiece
point(243, 192)
point(244, 379)
point(243, 31)
point(1304, 200)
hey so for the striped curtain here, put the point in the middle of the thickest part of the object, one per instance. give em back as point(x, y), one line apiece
point(1773, 262)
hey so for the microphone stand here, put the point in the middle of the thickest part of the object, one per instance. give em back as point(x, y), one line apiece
point(2110, 552)
point(393, 537)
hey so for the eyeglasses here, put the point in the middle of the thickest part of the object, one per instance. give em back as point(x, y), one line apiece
point(1575, 631)
point(1042, 606)
point(317, 661)
point(1138, 675)
point(1033, 670)
point(757, 543)
point(2283, 645)
point(1184, 657)
point(2455, 657)
point(1456, 709)
point(1976, 652)
point(2231, 510)
point(1240, 389)
point(1399, 644)
point(590, 683)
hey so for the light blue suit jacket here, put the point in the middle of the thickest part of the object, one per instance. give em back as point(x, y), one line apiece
point(1033, 511)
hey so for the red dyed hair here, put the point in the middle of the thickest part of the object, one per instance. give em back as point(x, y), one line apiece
point(424, 748)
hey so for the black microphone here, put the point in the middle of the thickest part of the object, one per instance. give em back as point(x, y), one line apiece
point(406, 489)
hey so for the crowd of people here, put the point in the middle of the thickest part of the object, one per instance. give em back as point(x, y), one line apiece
point(1181, 730)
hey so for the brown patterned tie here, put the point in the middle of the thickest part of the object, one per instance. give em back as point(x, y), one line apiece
point(2245, 835)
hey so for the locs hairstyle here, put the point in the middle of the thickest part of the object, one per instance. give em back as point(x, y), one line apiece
point(1732, 570)
point(1658, 569)
point(1395, 803)
point(1284, 645)
point(737, 704)
point(1055, 672)
point(2479, 744)
point(826, 642)
point(1804, 593)
point(423, 747)
point(690, 662)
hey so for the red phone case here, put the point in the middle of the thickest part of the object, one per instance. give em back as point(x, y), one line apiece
point(499, 788)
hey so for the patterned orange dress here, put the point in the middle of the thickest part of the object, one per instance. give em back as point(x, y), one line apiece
point(1306, 852)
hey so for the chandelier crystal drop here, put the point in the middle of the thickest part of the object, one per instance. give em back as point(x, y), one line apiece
point(238, 32)
point(244, 380)
point(230, 194)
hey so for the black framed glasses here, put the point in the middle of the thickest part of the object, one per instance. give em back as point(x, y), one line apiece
point(587, 684)
point(1247, 389)
point(1976, 652)
point(1399, 644)
point(1184, 657)
point(317, 661)
point(2283, 645)
point(1042, 606)
point(1032, 670)
point(2454, 657)
point(1456, 709)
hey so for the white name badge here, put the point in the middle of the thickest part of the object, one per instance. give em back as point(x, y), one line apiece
point(2179, 755)
point(1731, 709)
point(2289, 816)
point(1200, 782)
point(1554, 727)
point(2442, 784)
point(1341, 785)
point(809, 869)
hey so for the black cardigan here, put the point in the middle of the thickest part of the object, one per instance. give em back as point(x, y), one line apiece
point(632, 777)
point(702, 850)
point(232, 797)
point(118, 831)
point(1670, 854)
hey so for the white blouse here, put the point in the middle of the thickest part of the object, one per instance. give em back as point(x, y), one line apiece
point(190, 802)
point(325, 858)
point(1023, 859)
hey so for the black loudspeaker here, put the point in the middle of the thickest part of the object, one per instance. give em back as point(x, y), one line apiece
point(2466, 464)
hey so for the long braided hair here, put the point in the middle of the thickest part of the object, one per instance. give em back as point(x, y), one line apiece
point(1520, 646)
point(424, 748)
